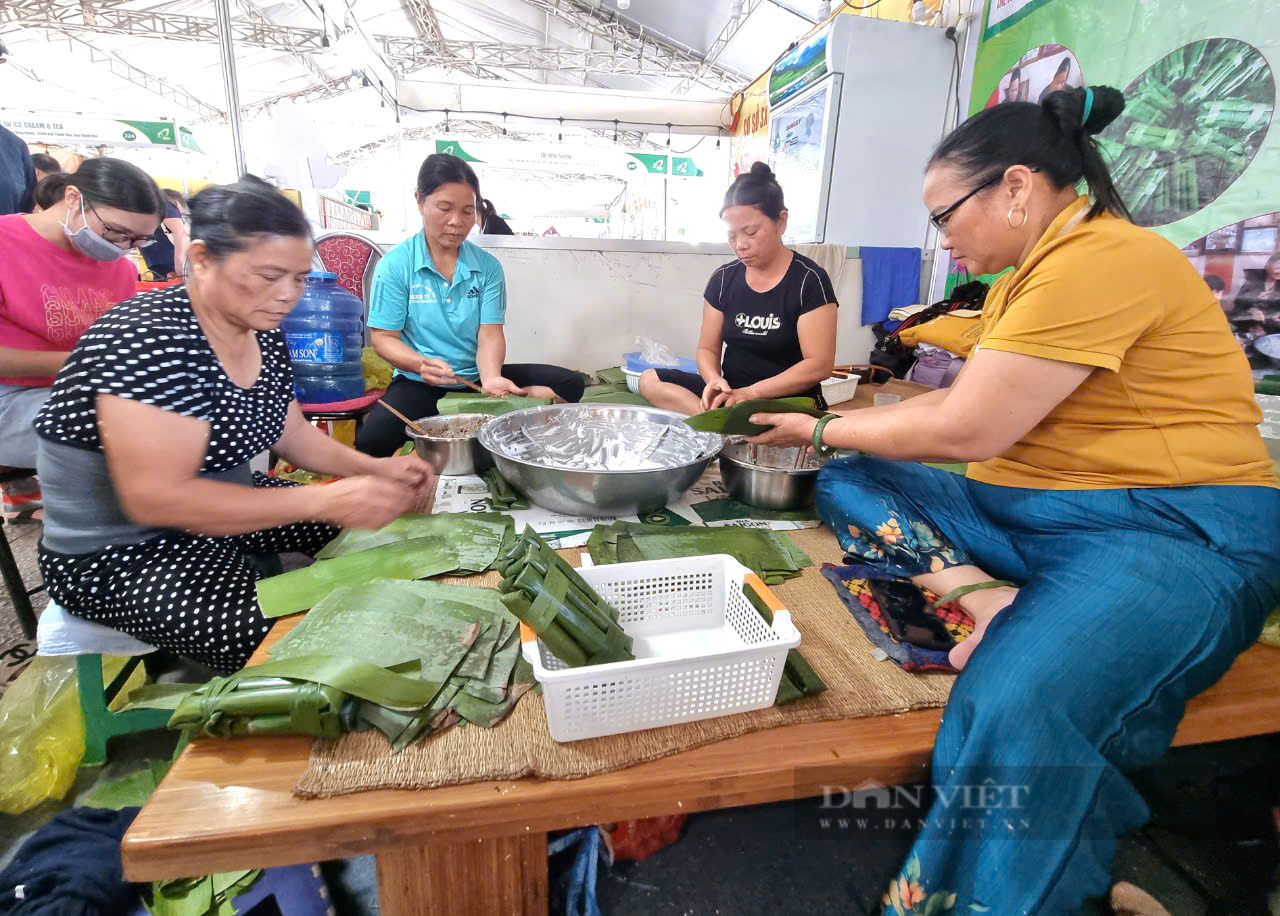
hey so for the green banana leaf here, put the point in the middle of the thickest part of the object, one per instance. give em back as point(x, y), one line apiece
point(595, 391)
point(612, 376)
point(615, 396)
point(501, 494)
point(474, 402)
point(772, 555)
point(736, 420)
point(493, 686)
point(417, 558)
point(727, 509)
point(479, 604)
point(477, 537)
point(486, 714)
point(211, 895)
point(798, 677)
point(351, 676)
point(549, 596)
point(382, 624)
point(427, 721)
point(131, 791)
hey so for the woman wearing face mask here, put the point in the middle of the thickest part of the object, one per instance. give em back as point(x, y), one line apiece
point(1117, 538)
point(436, 313)
point(151, 509)
point(772, 312)
point(62, 268)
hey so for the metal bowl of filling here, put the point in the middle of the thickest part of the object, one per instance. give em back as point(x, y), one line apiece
point(769, 477)
point(452, 445)
point(598, 459)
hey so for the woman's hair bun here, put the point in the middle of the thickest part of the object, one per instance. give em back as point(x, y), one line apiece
point(1108, 103)
point(1068, 108)
point(761, 170)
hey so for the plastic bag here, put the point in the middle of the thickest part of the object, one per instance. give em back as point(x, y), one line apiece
point(42, 730)
point(655, 353)
point(1271, 629)
point(377, 371)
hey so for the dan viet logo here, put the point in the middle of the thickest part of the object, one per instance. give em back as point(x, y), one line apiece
point(871, 805)
point(757, 324)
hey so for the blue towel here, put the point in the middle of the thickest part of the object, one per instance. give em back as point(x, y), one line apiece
point(890, 279)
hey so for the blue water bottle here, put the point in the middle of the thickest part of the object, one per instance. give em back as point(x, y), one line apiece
point(325, 333)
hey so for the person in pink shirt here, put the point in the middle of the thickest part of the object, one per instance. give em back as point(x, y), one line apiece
point(61, 269)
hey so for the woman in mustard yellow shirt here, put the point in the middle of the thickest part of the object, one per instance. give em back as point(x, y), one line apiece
point(1117, 538)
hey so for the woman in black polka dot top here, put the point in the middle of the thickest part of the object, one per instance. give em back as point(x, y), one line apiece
point(151, 511)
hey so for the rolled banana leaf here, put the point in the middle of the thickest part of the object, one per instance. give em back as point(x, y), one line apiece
point(501, 495)
point(736, 420)
point(550, 597)
point(798, 677)
point(293, 709)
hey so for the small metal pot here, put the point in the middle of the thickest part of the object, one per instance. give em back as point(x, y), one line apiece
point(780, 489)
point(451, 457)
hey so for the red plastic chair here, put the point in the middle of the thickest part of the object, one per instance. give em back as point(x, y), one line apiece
point(352, 257)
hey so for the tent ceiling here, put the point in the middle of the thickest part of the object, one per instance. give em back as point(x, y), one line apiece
point(154, 59)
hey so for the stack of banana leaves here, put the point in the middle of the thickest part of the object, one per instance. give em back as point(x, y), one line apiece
point(798, 677)
point(736, 419)
point(771, 555)
point(553, 600)
point(407, 658)
point(474, 402)
point(411, 547)
point(612, 389)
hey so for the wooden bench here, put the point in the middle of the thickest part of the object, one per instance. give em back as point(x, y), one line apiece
point(481, 848)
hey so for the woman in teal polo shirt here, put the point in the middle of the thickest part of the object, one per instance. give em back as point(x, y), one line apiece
point(436, 313)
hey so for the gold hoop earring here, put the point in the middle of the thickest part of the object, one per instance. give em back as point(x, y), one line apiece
point(1025, 217)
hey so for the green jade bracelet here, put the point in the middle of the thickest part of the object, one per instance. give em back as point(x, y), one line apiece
point(822, 451)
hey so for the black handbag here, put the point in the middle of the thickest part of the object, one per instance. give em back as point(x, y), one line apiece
point(891, 353)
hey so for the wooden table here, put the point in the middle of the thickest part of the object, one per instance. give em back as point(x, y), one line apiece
point(228, 804)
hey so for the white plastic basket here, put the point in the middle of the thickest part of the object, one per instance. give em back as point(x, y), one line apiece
point(839, 390)
point(702, 650)
point(633, 380)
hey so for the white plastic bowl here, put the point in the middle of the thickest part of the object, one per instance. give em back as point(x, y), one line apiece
point(633, 380)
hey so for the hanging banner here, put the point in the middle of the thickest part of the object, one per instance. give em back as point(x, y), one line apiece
point(562, 158)
point(1195, 155)
point(750, 141)
point(55, 130)
point(1003, 13)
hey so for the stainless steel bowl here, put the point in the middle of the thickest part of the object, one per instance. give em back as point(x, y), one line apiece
point(783, 488)
point(451, 455)
point(593, 492)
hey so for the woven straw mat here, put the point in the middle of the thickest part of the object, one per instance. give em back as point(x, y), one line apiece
point(857, 686)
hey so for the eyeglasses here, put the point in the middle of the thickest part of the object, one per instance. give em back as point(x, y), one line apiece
point(940, 218)
point(117, 236)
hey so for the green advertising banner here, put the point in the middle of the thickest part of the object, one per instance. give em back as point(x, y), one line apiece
point(1199, 88)
point(601, 160)
point(74, 130)
point(1196, 154)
